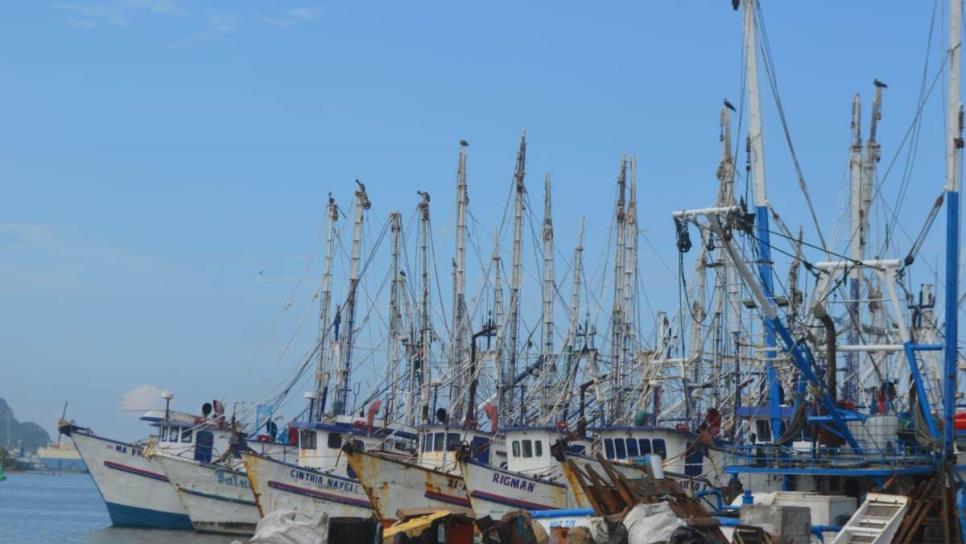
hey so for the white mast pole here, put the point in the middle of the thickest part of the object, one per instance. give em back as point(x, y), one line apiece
point(460, 327)
point(617, 314)
point(424, 374)
point(395, 318)
point(322, 371)
point(342, 378)
point(757, 150)
point(548, 367)
point(518, 176)
point(856, 249)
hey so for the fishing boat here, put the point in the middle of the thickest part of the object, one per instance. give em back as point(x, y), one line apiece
point(61, 457)
point(134, 487)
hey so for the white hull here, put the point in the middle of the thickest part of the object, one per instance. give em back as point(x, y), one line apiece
point(134, 488)
point(217, 499)
point(494, 492)
point(283, 486)
point(394, 485)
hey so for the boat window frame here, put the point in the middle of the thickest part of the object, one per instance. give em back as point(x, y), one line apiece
point(338, 441)
point(632, 443)
point(438, 441)
point(163, 434)
point(538, 448)
point(527, 448)
point(645, 446)
point(186, 435)
point(660, 447)
point(620, 448)
point(609, 448)
point(307, 440)
point(515, 446)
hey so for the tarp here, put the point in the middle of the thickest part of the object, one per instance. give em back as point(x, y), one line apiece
point(281, 527)
point(651, 523)
point(415, 526)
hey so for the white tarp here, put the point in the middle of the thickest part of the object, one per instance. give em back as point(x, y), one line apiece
point(651, 523)
point(281, 527)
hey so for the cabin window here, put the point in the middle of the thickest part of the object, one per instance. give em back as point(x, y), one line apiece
point(609, 448)
point(694, 463)
point(645, 445)
point(173, 434)
point(619, 448)
point(334, 441)
point(516, 448)
point(428, 442)
point(307, 440)
point(527, 448)
point(660, 448)
point(164, 435)
point(764, 430)
point(186, 435)
point(576, 449)
point(438, 441)
point(452, 441)
point(632, 450)
point(538, 448)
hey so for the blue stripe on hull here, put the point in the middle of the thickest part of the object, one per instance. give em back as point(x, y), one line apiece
point(130, 516)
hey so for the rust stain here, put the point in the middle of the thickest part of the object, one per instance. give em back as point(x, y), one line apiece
point(254, 479)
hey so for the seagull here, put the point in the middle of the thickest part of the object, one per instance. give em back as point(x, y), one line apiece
point(464, 143)
point(423, 194)
point(362, 186)
point(261, 272)
point(880, 84)
point(729, 105)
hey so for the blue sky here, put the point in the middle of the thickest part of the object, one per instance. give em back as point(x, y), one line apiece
point(156, 155)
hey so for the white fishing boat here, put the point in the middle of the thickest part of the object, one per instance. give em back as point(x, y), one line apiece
point(432, 480)
point(134, 487)
point(319, 480)
point(217, 496)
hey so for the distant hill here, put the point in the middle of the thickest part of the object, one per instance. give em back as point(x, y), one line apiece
point(29, 435)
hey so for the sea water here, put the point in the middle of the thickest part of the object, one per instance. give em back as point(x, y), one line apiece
point(39, 508)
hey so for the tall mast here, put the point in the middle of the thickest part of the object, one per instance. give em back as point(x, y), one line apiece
point(321, 372)
point(954, 146)
point(573, 352)
point(422, 360)
point(547, 367)
point(630, 265)
point(730, 306)
point(856, 250)
point(756, 151)
point(498, 326)
point(342, 378)
point(520, 191)
point(460, 326)
point(617, 317)
point(395, 316)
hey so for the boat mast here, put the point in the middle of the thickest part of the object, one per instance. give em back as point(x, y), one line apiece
point(321, 371)
point(630, 265)
point(395, 317)
point(547, 366)
point(460, 326)
point(571, 349)
point(954, 146)
point(520, 191)
point(617, 317)
point(856, 250)
point(497, 354)
point(421, 363)
point(728, 304)
point(757, 160)
point(342, 378)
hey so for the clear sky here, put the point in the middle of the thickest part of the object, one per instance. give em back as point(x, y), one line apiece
point(164, 164)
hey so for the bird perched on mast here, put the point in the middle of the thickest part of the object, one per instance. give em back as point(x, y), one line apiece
point(729, 105)
point(879, 84)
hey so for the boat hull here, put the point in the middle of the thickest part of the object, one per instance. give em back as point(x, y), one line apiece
point(278, 485)
point(494, 492)
point(394, 485)
point(135, 489)
point(218, 499)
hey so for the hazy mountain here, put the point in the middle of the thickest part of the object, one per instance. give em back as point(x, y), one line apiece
point(28, 435)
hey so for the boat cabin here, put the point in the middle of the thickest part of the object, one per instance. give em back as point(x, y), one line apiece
point(438, 445)
point(320, 442)
point(630, 444)
point(529, 449)
point(203, 439)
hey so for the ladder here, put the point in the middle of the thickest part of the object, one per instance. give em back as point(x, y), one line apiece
point(876, 521)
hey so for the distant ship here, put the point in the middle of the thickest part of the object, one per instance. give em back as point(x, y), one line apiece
point(61, 457)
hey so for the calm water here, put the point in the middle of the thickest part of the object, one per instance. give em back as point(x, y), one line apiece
point(44, 509)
